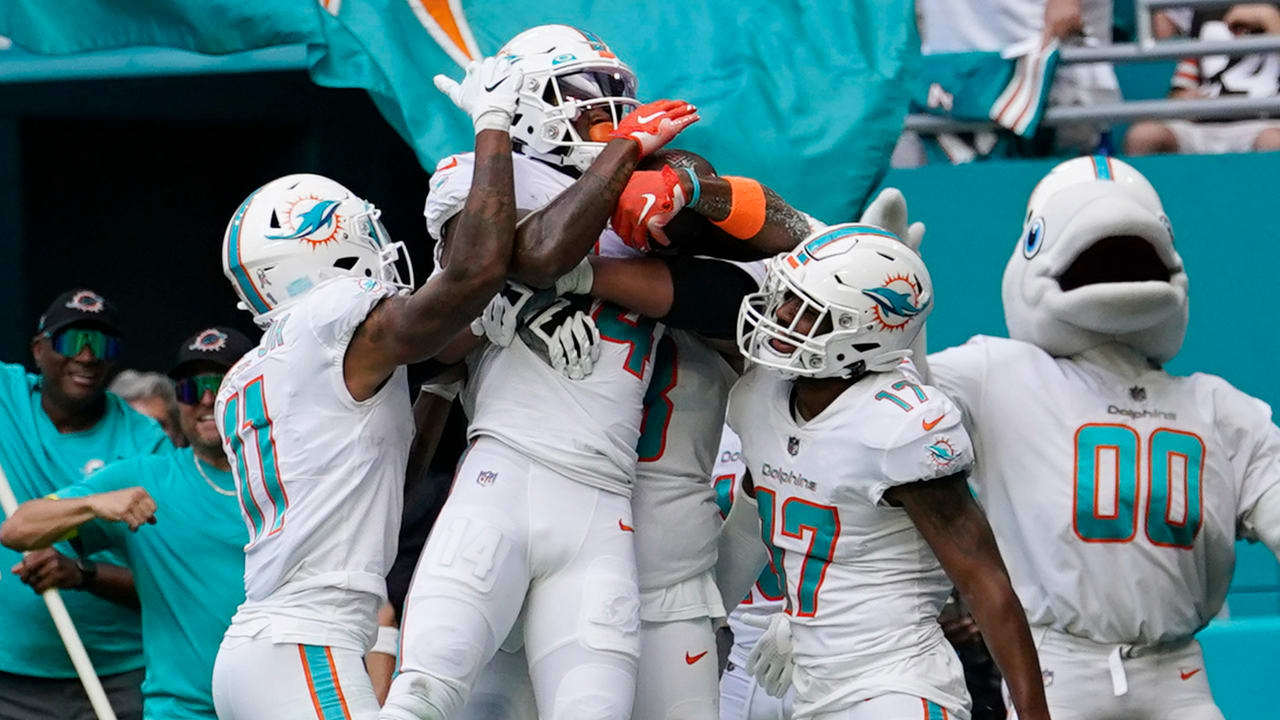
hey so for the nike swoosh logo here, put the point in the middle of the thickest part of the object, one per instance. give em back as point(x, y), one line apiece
point(625, 527)
point(1187, 675)
point(928, 425)
point(691, 659)
point(490, 88)
point(649, 200)
point(642, 119)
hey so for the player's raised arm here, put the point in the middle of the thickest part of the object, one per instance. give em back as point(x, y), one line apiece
point(402, 329)
point(951, 522)
point(552, 240)
point(733, 217)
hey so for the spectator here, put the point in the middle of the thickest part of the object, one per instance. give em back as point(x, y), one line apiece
point(56, 428)
point(953, 26)
point(152, 395)
point(186, 605)
point(1256, 75)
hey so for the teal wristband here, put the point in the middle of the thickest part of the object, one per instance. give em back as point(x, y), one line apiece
point(697, 187)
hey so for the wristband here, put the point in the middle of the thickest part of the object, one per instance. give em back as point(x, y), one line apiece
point(493, 120)
point(697, 187)
point(88, 572)
point(388, 642)
point(448, 390)
point(746, 208)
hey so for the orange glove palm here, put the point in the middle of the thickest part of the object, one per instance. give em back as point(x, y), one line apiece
point(648, 202)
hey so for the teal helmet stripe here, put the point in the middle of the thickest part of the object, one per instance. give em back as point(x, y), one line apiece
point(1102, 167)
point(250, 292)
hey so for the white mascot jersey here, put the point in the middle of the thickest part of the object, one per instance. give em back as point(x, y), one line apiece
point(586, 429)
point(1114, 488)
point(863, 587)
point(320, 476)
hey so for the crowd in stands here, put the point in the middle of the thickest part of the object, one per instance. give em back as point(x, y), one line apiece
point(1021, 27)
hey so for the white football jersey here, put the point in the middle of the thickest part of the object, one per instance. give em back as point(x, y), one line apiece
point(673, 505)
point(584, 429)
point(319, 475)
point(767, 595)
point(1114, 489)
point(863, 587)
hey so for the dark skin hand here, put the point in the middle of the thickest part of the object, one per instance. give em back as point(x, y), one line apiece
point(784, 226)
point(951, 522)
point(47, 568)
point(406, 329)
point(72, 390)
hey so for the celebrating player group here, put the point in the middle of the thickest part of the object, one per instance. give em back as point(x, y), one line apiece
point(693, 408)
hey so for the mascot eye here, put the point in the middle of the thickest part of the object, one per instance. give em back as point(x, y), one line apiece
point(1034, 239)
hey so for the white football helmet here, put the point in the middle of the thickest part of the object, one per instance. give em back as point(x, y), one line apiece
point(297, 231)
point(567, 71)
point(866, 293)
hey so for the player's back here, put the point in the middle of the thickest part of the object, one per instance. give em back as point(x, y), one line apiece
point(864, 588)
point(1113, 487)
point(674, 506)
point(319, 475)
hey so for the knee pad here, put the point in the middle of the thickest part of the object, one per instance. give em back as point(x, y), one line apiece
point(594, 692)
point(610, 618)
point(453, 642)
point(418, 696)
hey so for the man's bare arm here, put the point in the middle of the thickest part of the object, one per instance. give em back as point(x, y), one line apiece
point(41, 522)
point(402, 330)
point(955, 528)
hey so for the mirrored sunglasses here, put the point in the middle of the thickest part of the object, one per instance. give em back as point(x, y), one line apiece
point(71, 341)
point(191, 389)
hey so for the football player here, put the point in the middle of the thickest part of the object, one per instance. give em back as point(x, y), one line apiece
point(1116, 490)
point(539, 521)
point(858, 470)
point(316, 420)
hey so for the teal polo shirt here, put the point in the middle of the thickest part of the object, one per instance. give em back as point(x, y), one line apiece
point(37, 459)
point(188, 569)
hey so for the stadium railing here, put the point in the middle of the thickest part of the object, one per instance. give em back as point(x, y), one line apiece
point(1145, 49)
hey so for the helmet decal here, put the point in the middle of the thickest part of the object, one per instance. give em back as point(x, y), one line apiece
point(86, 301)
point(211, 340)
point(896, 302)
point(235, 266)
point(311, 216)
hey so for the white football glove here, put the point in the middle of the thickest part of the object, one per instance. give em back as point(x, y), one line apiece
point(770, 660)
point(501, 316)
point(565, 337)
point(488, 93)
point(577, 281)
point(889, 211)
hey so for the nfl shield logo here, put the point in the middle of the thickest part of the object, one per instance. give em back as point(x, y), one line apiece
point(486, 478)
point(1138, 393)
point(793, 445)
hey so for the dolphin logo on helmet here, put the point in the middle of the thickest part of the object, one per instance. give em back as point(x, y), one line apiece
point(316, 218)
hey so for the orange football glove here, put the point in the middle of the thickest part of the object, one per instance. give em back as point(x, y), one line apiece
point(652, 125)
point(648, 202)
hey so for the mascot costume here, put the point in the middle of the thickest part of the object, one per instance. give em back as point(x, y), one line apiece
point(1116, 490)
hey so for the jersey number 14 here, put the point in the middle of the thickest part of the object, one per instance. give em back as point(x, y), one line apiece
point(1108, 485)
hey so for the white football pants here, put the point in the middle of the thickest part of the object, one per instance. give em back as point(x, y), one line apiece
point(741, 698)
point(1084, 680)
point(257, 679)
point(514, 533)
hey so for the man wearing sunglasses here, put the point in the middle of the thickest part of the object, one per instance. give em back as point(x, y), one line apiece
point(190, 497)
point(56, 428)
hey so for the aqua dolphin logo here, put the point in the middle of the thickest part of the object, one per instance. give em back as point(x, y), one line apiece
point(315, 219)
point(894, 302)
point(941, 453)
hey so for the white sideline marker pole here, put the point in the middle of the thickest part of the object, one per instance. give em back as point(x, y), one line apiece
point(66, 628)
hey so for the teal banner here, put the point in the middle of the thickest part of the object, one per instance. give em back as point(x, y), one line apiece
point(807, 97)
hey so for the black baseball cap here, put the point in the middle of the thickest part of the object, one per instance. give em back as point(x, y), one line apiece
point(222, 345)
point(80, 307)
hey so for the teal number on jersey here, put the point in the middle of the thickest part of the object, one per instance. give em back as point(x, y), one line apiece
point(628, 328)
point(1106, 454)
point(769, 584)
point(900, 386)
point(1108, 457)
point(230, 422)
point(1174, 502)
point(254, 416)
point(798, 518)
point(657, 406)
